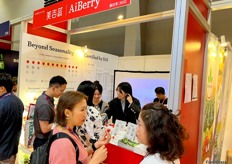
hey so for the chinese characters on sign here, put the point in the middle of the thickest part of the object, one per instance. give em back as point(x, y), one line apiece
point(115, 4)
point(55, 13)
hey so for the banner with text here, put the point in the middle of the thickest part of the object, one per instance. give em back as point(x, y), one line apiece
point(41, 59)
point(66, 10)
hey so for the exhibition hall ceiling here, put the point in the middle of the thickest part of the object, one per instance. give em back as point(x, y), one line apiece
point(137, 8)
point(153, 37)
point(221, 24)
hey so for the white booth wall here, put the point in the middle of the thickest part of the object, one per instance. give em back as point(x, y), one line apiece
point(144, 73)
point(40, 59)
point(145, 63)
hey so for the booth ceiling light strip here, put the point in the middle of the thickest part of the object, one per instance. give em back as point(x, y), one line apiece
point(5, 41)
point(15, 41)
point(28, 19)
point(199, 16)
point(52, 27)
point(125, 22)
point(56, 29)
point(221, 5)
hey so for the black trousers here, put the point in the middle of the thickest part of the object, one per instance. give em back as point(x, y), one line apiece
point(39, 142)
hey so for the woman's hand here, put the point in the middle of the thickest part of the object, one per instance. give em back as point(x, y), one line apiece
point(99, 155)
point(105, 139)
point(129, 98)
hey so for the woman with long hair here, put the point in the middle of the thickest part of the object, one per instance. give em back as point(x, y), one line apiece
point(125, 106)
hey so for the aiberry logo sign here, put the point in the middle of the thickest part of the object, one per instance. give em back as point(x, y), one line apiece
point(65, 10)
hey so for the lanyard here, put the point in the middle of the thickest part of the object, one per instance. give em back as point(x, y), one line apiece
point(71, 131)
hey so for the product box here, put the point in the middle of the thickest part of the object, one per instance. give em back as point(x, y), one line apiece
point(31, 111)
point(131, 131)
point(127, 144)
point(29, 133)
point(118, 132)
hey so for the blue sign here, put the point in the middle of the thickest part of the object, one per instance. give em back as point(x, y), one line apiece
point(5, 28)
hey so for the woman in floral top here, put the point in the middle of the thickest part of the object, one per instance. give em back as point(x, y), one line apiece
point(92, 129)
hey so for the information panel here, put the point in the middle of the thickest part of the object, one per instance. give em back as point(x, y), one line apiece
point(41, 59)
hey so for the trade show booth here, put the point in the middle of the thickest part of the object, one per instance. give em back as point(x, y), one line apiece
point(196, 75)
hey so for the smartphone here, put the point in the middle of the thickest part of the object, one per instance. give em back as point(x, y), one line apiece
point(104, 119)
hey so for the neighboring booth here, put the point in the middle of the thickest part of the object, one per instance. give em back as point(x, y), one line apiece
point(9, 62)
point(5, 35)
point(216, 96)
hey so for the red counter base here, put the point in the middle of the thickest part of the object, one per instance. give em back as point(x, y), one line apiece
point(118, 155)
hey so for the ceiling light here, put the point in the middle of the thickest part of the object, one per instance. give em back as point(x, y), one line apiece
point(80, 53)
point(120, 17)
point(85, 49)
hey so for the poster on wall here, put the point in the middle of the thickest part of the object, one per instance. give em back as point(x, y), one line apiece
point(195, 87)
point(224, 87)
point(42, 58)
point(188, 88)
point(216, 100)
point(210, 95)
point(9, 62)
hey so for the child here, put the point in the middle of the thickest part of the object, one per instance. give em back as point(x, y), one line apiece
point(162, 132)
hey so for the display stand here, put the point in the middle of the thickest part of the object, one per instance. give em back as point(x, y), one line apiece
point(117, 148)
point(118, 155)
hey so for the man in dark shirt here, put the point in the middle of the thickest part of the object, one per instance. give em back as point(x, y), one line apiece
point(11, 114)
point(160, 94)
point(45, 112)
